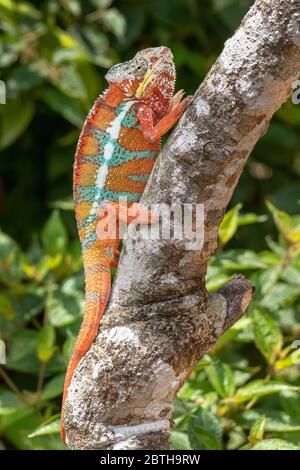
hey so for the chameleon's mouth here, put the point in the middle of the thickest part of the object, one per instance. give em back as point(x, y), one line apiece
point(166, 54)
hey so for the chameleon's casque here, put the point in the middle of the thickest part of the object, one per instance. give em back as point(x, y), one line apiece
point(117, 148)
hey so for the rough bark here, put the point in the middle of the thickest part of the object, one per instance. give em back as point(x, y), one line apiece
point(160, 320)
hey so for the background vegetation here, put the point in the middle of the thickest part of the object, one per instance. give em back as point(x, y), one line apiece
point(53, 56)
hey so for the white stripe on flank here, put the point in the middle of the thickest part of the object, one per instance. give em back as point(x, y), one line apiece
point(101, 175)
point(113, 131)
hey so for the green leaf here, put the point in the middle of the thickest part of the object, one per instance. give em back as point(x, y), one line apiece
point(65, 205)
point(19, 12)
point(24, 78)
point(68, 347)
point(267, 335)
point(216, 281)
point(229, 224)
point(251, 218)
point(291, 273)
point(221, 378)
point(53, 388)
point(275, 444)
point(10, 259)
point(66, 304)
point(94, 43)
point(65, 309)
point(115, 22)
point(17, 434)
point(22, 351)
point(280, 295)
point(275, 421)
point(288, 361)
point(240, 260)
point(46, 343)
point(73, 6)
point(54, 235)
point(15, 117)
point(180, 441)
point(6, 307)
point(257, 430)
point(290, 403)
point(51, 426)
point(204, 430)
point(260, 388)
point(244, 325)
point(237, 438)
point(181, 408)
point(9, 403)
point(267, 279)
point(69, 81)
point(285, 224)
point(67, 107)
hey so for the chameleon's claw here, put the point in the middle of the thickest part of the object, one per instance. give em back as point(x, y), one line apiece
point(141, 215)
point(177, 98)
point(186, 102)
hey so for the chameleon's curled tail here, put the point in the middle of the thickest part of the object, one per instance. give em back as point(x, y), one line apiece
point(97, 291)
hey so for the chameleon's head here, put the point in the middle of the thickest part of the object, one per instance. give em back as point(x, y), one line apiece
point(149, 77)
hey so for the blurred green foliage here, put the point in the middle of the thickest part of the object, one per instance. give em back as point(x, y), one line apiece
point(53, 57)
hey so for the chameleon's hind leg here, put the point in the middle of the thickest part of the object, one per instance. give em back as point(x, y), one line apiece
point(138, 213)
point(125, 213)
point(114, 214)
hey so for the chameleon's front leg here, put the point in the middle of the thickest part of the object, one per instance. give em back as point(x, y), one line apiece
point(153, 132)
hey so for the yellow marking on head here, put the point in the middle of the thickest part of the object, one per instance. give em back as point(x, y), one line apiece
point(144, 83)
point(147, 79)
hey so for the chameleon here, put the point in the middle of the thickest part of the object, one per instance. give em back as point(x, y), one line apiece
point(115, 154)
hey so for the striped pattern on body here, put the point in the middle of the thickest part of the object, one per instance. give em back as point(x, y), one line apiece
point(112, 160)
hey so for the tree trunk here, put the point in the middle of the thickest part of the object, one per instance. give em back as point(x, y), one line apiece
point(160, 320)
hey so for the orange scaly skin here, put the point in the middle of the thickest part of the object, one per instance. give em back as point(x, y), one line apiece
point(119, 143)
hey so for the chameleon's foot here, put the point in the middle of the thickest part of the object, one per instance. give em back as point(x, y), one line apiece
point(140, 215)
point(106, 208)
point(126, 213)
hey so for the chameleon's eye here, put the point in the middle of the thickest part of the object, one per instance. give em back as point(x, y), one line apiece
point(141, 68)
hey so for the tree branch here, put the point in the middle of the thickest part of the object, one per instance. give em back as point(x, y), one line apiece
point(160, 320)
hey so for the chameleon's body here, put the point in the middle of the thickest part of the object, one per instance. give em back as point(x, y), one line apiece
point(119, 143)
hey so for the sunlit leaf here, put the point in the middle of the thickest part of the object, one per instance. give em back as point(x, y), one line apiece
point(6, 307)
point(229, 224)
point(221, 378)
point(259, 388)
point(53, 387)
point(204, 431)
point(51, 426)
point(275, 444)
point(54, 235)
point(257, 430)
point(267, 335)
point(46, 343)
point(285, 224)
